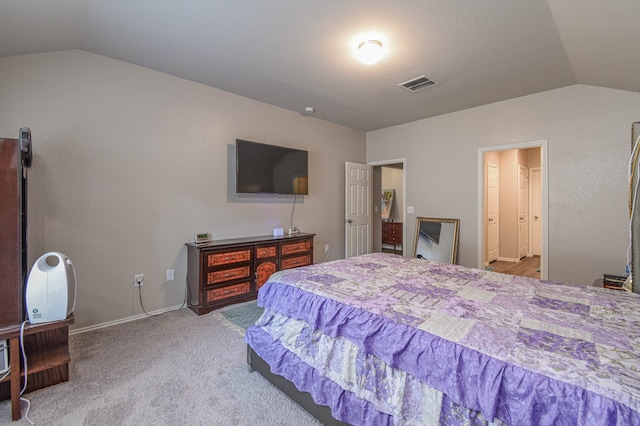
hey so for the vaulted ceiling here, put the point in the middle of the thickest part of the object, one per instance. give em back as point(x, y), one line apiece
point(300, 53)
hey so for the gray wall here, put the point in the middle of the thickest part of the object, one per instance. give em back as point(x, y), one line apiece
point(130, 163)
point(588, 132)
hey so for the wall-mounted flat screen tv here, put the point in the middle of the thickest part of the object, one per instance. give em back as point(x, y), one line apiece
point(270, 169)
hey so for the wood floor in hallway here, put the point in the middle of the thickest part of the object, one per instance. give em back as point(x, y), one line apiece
point(527, 267)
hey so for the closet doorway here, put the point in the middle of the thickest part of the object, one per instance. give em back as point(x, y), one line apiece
point(512, 199)
point(389, 225)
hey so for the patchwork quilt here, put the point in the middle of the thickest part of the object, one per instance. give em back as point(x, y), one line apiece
point(385, 339)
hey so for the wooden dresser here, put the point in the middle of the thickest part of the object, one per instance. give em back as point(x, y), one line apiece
point(223, 272)
point(392, 234)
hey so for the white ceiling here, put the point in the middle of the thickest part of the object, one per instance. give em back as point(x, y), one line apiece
point(299, 53)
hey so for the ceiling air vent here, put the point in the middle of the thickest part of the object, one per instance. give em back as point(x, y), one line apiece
point(418, 83)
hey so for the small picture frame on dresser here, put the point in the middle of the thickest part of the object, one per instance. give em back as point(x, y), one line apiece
point(202, 238)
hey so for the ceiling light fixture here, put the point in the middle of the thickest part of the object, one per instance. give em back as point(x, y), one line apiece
point(370, 51)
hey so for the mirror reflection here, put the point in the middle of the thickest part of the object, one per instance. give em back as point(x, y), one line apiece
point(436, 239)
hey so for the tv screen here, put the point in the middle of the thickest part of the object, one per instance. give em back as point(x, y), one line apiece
point(270, 169)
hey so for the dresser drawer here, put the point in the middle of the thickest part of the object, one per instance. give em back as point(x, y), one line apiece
point(263, 271)
point(217, 259)
point(265, 252)
point(228, 274)
point(394, 230)
point(394, 239)
point(294, 262)
point(228, 291)
point(297, 247)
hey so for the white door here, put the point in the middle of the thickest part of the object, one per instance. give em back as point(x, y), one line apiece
point(493, 206)
point(358, 219)
point(523, 211)
point(536, 212)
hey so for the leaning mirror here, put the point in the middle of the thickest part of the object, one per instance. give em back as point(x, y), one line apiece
point(436, 239)
point(387, 202)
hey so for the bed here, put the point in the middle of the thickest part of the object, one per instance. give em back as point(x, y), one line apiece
point(382, 339)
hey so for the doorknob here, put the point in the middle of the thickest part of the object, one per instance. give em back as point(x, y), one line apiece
point(535, 217)
point(348, 221)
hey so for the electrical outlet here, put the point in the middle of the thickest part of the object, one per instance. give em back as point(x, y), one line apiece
point(326, 248)
point(170, 275)
point(138, 280)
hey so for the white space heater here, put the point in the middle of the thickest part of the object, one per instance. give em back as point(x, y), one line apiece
point(51, 288)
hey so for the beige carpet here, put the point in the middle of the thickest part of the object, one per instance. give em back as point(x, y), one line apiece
point(174, 369)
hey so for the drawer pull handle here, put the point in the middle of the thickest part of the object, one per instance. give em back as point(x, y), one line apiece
point(228, 291)
point(228, 275)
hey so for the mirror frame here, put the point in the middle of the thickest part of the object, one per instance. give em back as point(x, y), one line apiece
point(456, 227)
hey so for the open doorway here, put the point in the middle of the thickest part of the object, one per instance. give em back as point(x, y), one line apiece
point(513, 204)
point(389, 228)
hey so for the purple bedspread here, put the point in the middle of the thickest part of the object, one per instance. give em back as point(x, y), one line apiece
point(521, 350)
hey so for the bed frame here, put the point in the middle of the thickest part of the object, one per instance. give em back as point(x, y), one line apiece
point(320, 412)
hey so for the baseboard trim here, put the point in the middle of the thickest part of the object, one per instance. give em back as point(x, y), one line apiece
point(123, 320)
